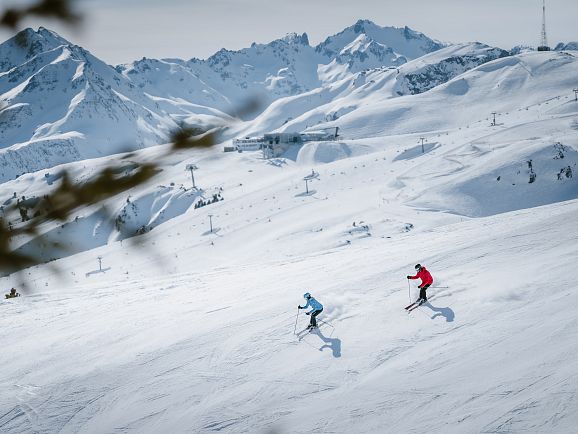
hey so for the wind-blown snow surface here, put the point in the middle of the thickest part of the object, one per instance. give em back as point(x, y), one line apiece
point(210, 346)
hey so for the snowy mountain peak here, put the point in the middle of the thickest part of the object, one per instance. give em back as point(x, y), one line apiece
point(26, 44)
point(294, 38)
point(565, 47)
point(289, 40)
point(369, 27)
point(402, 41)
point(360, 26)
point(361, 43)
point(366, 53)
point(411, 34)
point(50, 35)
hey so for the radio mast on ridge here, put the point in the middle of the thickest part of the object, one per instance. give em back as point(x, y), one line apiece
point(543, 40)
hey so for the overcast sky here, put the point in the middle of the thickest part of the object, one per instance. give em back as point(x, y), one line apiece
point(119, 31)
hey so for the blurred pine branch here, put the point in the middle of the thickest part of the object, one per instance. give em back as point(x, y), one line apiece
point(68, 197)
point(57, 9)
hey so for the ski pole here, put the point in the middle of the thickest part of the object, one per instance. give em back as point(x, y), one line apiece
point(296, 316)
point(408, 291)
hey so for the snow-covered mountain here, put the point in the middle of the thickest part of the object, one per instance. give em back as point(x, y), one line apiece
point(60, 101)
point(289, 66)
point(567, 46)
point(366, 45)
point(56, 97)
point(66, 105)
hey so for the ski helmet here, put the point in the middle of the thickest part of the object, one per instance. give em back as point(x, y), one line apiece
point(306, 295)
point(418, 267)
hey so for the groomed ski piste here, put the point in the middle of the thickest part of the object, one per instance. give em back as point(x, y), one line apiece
point(192, 329)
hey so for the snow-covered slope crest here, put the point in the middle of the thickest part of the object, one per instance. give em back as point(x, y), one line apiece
point(332, 102)
point(440, 67)
point(344, 93)
point(510, 84)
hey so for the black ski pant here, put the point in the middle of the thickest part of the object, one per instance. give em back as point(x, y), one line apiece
point(422, 293)
point(313, 322)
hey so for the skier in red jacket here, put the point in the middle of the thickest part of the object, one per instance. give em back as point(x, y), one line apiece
point(426, 281)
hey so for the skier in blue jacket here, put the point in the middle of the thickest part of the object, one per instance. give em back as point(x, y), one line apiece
point(316, 309)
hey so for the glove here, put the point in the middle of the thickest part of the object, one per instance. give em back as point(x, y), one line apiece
point(409, 277)
point(307, 313)
point(299, 307)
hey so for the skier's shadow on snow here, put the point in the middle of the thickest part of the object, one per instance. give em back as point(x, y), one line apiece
point(332, 343)
point(446, 312)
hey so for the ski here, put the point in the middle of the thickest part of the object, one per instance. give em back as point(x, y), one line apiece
point(414, 306)
point(305, 331)
point(411, 305)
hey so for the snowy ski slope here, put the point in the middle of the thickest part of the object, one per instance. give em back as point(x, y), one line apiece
point(213, 348)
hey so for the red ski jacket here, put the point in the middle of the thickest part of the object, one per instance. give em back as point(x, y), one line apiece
point(425, 277)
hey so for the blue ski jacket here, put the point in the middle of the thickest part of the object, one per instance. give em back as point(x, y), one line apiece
point(314, 304)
